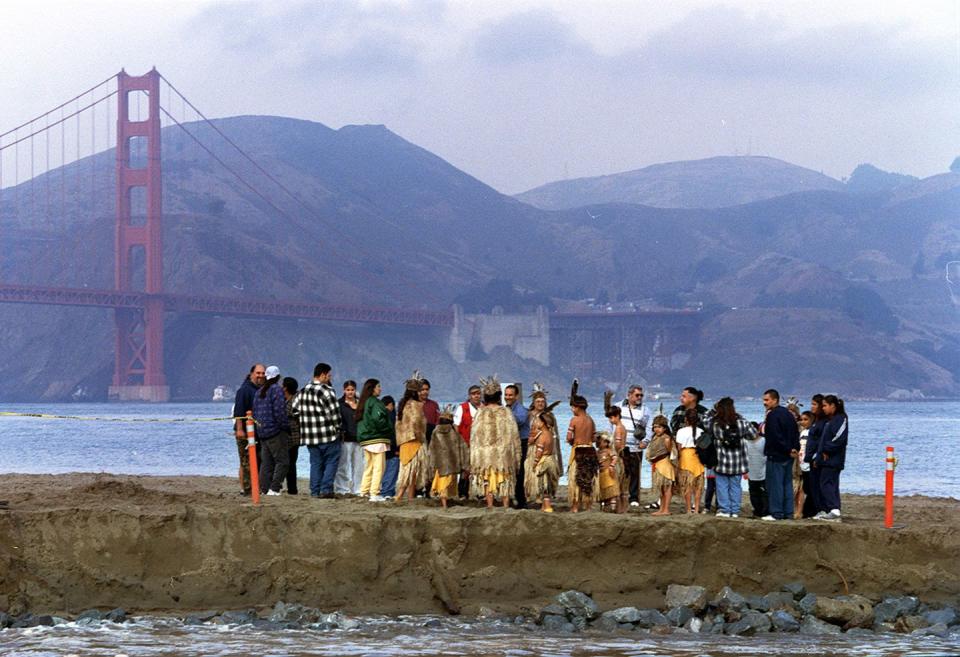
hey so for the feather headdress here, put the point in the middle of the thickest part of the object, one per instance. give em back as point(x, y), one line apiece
point(576, 399)
point(415, 381)
point(538, 390)
point(491, 385)
point(447, 411)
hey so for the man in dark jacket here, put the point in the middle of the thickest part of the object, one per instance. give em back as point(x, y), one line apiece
point(242, 403)
point(782, 446)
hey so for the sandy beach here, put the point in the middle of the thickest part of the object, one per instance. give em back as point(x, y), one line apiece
point(171, 544)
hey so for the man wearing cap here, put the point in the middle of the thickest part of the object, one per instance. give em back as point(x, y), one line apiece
point(242, 403)
point(273, 432)
point(636, 420)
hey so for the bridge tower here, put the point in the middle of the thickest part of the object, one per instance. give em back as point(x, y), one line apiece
point(138, 371)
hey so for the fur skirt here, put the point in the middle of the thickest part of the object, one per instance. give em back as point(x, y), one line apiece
point(540, 480)
point(582, 475)
point(500, 484)
point(414, 472)
point(629, 467)
point(689, 483)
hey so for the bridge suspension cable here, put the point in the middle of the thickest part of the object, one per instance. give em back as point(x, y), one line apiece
point(344, 237)
point(66, 140)
point(59, 107)
point(63, 124)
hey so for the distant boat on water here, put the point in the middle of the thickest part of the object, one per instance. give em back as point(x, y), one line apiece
point(223, 393)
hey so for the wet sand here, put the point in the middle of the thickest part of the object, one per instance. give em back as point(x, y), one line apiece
point(170, 544)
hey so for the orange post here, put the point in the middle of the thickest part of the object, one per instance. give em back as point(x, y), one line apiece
point(252, 453)
point(888, 515)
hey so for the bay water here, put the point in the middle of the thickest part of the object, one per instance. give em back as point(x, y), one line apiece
point(185, 441)
point(925, 436)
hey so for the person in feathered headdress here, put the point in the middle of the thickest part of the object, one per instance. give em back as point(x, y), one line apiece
point(494, 447)
point(411, 437)
point(584, 467)
point(543, 466)
point(449, 457)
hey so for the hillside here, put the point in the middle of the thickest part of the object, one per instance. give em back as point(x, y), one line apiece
point(711, 183)
point(852, 280)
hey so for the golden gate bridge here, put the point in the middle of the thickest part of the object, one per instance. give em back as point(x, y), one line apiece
point(132, 114)
point(53, 155)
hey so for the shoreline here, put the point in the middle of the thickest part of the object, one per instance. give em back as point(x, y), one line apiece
point(666, 399)
point(169, 545)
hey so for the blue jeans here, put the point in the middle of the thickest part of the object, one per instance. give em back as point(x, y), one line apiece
point(780, 488)
point(388, 485)
point(324, 460)
point(729, 493)
point(349, 469)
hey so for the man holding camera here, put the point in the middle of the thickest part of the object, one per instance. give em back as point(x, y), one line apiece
point(636, 420)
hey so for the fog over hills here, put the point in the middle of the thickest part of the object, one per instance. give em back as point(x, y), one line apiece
point(803, 283)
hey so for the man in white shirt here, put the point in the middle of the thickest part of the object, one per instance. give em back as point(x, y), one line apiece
point(463, 421)
point(636, 420)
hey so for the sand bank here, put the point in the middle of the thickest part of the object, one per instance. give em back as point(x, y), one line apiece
point(164, 544)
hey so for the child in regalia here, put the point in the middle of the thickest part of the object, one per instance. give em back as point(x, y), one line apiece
point(608, 479)
point(448, 457)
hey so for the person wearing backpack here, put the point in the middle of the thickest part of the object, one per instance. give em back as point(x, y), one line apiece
point(729, 431)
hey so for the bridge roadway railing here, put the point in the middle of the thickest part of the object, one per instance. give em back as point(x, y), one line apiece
point(237, 307)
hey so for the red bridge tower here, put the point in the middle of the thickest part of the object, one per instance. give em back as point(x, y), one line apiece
point(138, 371)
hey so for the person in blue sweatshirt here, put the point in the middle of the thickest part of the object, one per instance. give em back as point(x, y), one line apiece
point(811, 505)
point(273, 432)
point(830, 457)
point(781, 448)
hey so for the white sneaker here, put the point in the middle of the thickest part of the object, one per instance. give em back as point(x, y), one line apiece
point(734, 515)
point(820, 516)
point(273, 492)
point(722, 514)
point(377, 498)
point(833, 516)
point(767, 518)
point(634, 503)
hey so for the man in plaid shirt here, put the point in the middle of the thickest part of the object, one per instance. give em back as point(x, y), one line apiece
point(318, 410)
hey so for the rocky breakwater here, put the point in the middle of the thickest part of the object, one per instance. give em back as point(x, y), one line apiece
point(791, 609)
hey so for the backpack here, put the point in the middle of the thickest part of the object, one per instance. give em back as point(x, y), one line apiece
point(706, 449)
point(731, 437)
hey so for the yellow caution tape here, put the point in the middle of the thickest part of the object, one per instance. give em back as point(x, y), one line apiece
point(49, 416)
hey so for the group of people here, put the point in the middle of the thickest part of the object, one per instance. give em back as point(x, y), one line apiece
point(494, 447)
point(792, 460)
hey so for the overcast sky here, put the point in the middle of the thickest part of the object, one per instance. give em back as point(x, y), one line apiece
point(523, 93)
